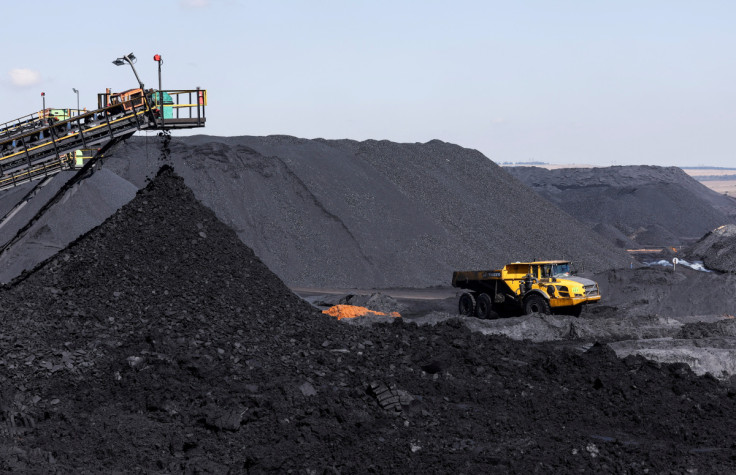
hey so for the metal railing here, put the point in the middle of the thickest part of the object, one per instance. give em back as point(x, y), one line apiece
point(189, 107)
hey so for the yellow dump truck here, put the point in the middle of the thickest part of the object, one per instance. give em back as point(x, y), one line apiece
point(531, 287)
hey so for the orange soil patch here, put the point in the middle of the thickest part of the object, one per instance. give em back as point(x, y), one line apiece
point(352, 311)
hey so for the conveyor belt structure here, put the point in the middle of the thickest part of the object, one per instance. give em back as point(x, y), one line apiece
point(40, 144)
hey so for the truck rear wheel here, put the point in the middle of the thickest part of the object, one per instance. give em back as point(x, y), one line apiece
point(484, 307)
point(466, 306)
point(535, 303)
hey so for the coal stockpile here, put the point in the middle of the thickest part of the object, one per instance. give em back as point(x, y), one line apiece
point(660, 290)
point(371, 214)
point(158, 342)
point(650, 206)
point(717, 249)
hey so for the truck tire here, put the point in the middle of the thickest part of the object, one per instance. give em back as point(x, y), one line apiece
point(535, 303)
point(466, 306)
point(484, 307)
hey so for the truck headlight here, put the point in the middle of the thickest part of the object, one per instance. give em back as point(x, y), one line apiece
point(564, 292)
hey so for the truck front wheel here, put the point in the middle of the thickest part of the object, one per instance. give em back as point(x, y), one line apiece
point(466, 306)
point(536, 304)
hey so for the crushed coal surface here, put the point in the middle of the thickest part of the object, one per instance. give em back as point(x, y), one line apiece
point(372, 214)
point(648, 205)
point(158, 342)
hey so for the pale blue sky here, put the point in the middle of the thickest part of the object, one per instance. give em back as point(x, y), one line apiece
point(599, 82)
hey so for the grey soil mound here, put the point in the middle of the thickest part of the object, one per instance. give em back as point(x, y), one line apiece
point(11, 196)
point(717, 249)
point(82, 207)
point(371, 214)
point(662, 291)
point(651, 206)
point(158, 342)
point(29, 198)
point(615, 235)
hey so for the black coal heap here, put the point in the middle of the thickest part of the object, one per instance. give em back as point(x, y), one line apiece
point(159, 343)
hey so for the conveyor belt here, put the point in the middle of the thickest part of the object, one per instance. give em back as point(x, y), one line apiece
point(39, 145)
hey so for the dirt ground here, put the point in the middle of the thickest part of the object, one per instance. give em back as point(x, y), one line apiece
point(720, 180)
point(159, 343)
point(727, 187)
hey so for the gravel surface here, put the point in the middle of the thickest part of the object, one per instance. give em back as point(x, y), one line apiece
point(340, 213)
point(158, 342)
point(651, 206)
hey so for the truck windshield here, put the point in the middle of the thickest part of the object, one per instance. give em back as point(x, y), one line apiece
point(559, 270)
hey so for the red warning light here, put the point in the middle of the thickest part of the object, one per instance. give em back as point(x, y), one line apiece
point(43, 93)
point(157, 57)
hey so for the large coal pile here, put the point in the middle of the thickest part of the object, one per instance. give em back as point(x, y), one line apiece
point(369, 214)
point(649, 206)
point(717, 249)
point(158, 342)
